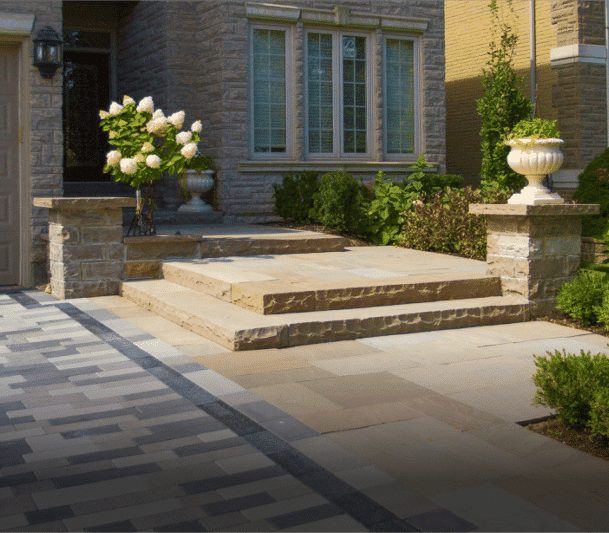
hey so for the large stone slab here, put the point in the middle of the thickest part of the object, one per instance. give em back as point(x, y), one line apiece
point(290, 292)
point(241, 329)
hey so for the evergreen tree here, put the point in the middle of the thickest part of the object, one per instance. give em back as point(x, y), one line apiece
point(501, 106)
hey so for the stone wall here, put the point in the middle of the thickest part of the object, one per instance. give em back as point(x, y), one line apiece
point(244, 190)
point(580, 94)
point(43, 177)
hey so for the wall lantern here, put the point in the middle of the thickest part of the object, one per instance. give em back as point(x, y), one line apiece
point(48, 52)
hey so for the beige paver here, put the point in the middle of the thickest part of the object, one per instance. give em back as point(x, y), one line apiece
point(358, 417)
point(292, 375)
point(366, 389)
point(295, 399)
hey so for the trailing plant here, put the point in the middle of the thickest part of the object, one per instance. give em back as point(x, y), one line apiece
point(294, 198)
point(582, 297)
point(443, 224)
point(536, 128)
point(576, 386)
point(502, 105)
point(340, 202)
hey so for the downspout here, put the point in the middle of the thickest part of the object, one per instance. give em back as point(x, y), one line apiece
point(534, 55)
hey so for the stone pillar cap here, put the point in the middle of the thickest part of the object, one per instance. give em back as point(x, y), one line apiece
point(64, 203)
point(534, 210)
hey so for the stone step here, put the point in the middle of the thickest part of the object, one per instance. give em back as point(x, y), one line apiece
point(287, 291)
point(241, 329)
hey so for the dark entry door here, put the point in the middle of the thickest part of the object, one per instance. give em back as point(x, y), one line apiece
point(86, 90)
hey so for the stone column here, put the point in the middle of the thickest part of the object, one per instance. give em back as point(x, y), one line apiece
point(533, 248)
point(85, 245)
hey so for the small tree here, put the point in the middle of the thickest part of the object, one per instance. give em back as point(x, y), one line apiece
point(501, 106)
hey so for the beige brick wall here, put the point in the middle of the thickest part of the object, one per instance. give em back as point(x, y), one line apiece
point(468, 33)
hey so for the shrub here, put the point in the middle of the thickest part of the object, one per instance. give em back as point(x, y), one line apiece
point(582, 297)
point(570, 383)
point(384, 215)
point(593, 188)
point(445, 225)
point(599, 413)
point(294, 198)
point(340, 202)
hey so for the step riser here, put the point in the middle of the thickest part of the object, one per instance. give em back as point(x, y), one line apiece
point(243, 295)
point(303, 333)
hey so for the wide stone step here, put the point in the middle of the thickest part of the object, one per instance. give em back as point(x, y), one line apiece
point(286, 291)
point(241, 329)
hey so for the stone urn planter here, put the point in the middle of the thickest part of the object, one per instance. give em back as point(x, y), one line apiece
point(196, 183)
point(535, 158)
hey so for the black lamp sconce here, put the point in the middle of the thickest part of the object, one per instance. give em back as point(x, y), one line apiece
point(48, 52)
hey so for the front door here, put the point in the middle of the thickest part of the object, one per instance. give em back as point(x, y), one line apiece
point(9, 165)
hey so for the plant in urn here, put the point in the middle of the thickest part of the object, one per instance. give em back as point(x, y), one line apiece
point(535, 153)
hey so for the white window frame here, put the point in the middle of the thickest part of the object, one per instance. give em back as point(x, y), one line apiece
point(337, 102)
point(417, 96)
point(289, 93)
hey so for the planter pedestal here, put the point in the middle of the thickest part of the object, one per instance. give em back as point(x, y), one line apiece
point(85, 245)
point(533, 248)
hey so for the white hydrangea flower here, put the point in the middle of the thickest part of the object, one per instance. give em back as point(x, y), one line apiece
point(145, 105)
point(177, 119)
point(139, 158)
point(157, 126)
point(153, 161)
point(128, 100)
point(103, 114)
point(128, 165)
point(113, 157)
point(147, 147)
point(183, 137)
point(158, 114)
point(196, 126)
point(115, 108)
point(189, 150)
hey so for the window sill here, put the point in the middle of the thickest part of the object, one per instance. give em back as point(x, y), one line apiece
point(329, 166)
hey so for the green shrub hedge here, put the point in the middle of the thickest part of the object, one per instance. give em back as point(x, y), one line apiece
point(577, 387)
point(340, 202)
point(444, 223)
point(294, 198)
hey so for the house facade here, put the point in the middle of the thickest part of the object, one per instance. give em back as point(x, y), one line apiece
point(279, 88)
point(570, 76)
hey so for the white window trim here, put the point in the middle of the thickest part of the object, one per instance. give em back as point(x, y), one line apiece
point(417, 97)
point(289, 93)
point(337, 73)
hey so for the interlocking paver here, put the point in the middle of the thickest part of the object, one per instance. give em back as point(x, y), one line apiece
point(117, 430)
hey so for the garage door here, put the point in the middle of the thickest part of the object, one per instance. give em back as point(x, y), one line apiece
point(9, 165)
